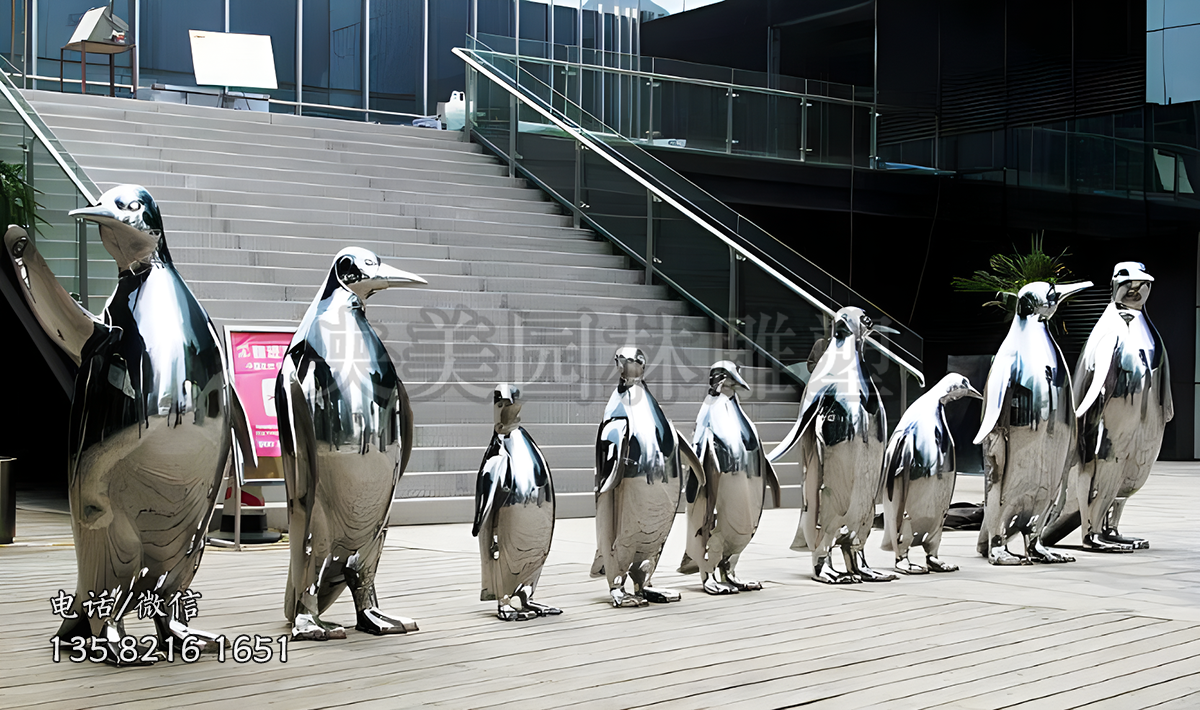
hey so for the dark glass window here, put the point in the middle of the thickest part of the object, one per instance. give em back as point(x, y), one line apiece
point(447, 30)
point(397, 65)
point(277, 19)
point(57, 20)
point(165, 52)
point(333, 53)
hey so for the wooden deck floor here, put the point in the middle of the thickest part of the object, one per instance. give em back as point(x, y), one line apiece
point(1106, 631)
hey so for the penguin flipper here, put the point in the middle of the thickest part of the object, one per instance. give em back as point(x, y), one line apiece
point(1098, 376)
point(612, 444)
point(404, 411)
point(1167, 403)
point(68, 324)
point(771, 479)
point(297, 439)
point(239, 423)
point(491, 473)
point(807, 416)
point(688, 457)
point(995, 392)
point(694, 484)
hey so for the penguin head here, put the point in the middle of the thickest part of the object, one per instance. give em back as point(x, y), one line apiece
point(361, 272)
point(725, 377)
point(506, 401)
point(632, 364)
point(1131, 284)
point(854, 322)
point(1042, 299)
point(955, 386)
point(131, 227)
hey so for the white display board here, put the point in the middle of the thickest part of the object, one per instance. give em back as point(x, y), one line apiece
point(229, 59)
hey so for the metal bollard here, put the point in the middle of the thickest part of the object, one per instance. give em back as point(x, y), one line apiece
point(8, 502)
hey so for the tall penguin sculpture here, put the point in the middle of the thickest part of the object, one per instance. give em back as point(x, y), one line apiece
point(723, 513)
point(1123, 391)
point(1028, 429)
point(514, 513)
point(149, 426)
point(841, 431)
point(346, 428)
point(919, 471)
point(639, 474)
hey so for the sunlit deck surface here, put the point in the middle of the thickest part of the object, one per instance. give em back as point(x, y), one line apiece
point(1119, 631)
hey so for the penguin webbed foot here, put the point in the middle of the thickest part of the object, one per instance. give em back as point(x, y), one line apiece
point(507, 612)
point(169, 627)
point(864, 571)
point(658, 595)
point(373, 621)
point(936, 565)
point(1095, 542)
point(712, 585)
point(744, 585)
point(1041, 554)
point(906, 566)
point(110, 638)
point(542, 609)
point(824, 572)
point(1002, 557)
point(310, 627)
point(621, 598)
point(1111, 535)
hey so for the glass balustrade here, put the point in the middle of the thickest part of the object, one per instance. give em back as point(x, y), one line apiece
point(59, 185)
point(769, 297)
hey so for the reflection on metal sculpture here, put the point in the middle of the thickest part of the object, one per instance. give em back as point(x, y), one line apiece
point(639, 460)
point(345, 428)
point(1028, 429)
point(918, 476)
point(149, 424)
point(514, 513)
point(1123, 390)
point(723, 513)
point(841, 431)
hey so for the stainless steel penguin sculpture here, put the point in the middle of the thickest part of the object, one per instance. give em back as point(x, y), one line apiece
point(149, 426)
point(1028, 429)
point(1123, 391)
point(346, 428)
point(841, 431)
point(639, 474)
point(919, 471)
point(723, 513)
point(514, 513)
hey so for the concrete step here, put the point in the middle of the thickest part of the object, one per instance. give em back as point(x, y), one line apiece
point(433, 412)
point(330, 240)
point(347, 186)
point(209, 264)
point(455, 258)
point(581, 434)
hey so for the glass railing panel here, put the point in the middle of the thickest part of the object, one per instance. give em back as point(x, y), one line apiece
point(830, 132)
point(692, 257)
point(775, 319)
point(614, 202)
point(616, 210)
point(548, 153)
point(695, 112)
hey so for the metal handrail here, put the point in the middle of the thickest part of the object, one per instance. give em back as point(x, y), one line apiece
point(584, 138)
point(10, 92)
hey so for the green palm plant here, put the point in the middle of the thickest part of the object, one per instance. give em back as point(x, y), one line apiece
point(17, 205)
point(1009, 272)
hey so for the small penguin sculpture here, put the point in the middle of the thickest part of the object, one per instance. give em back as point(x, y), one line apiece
point(1028, 429)
point(841, 431)
point(723, 514)
point(514, 513)
point(149, 430)
point(639, 474)
point(1123, 391)
point(345, 428)
point(919, 471)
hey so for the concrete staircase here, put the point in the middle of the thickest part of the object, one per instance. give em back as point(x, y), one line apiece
point(255, 206)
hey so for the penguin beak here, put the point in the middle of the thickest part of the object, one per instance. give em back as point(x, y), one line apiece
point(94, 212)
point(1066, 291)
point(973, 393)
point(1139, 275)
point(394, 277)
point(885, 329)
point(738, 382)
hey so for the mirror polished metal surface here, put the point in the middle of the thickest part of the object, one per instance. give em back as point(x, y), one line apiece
point(723, 513)
point(345, 427)
point(919, 472)
point(639, 469)
point(514, 513)
point(149, 424)
point(1028, 430)
point(1123, 391)
point(841, 431)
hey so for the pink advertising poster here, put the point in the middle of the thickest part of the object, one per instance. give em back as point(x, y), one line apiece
point(256, 360)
